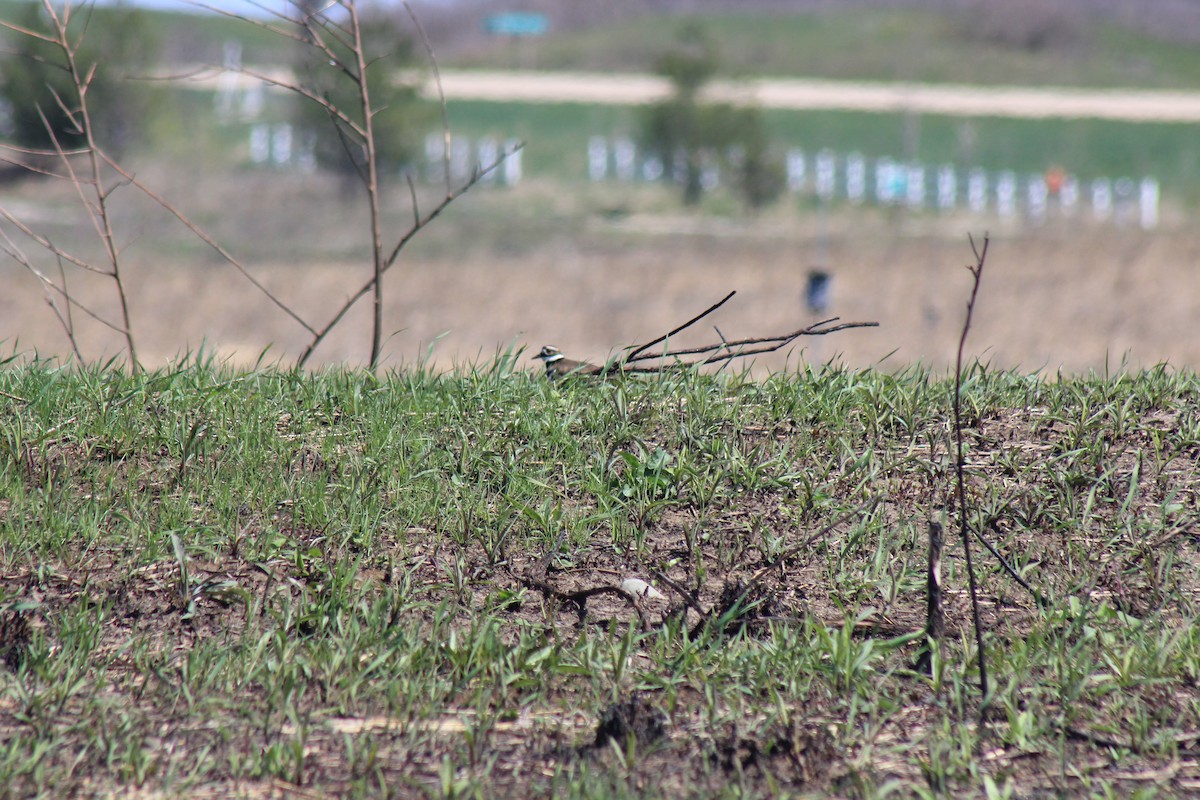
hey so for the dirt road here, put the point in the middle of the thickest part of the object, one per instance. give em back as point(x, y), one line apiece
point(1040, 102)
point(993, 101)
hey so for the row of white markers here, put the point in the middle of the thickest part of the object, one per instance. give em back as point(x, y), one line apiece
point(279, 144)
point(828, 175)
point(886, 181)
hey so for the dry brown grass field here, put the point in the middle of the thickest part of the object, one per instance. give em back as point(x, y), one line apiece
point(547, 264)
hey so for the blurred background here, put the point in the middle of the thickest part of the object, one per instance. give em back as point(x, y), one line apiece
point(821, 158)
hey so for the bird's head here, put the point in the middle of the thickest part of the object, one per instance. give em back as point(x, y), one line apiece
point(549, 353)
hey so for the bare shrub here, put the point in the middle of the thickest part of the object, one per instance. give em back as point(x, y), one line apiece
point(342, 40)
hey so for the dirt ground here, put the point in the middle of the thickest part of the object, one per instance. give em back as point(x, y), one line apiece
point(1068, 295)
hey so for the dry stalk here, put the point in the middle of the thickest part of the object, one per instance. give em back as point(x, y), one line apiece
point(720, 352)
point(935, 618)
point(976, 271)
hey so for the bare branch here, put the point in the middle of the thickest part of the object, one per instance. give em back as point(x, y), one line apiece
point(390, 261)
point(48, 245)
point(412, 193)
point(208, 240)
point(91, 191)
point(48, 284)
point(65, 318)
point(286, 33)
point(32, 34)
point(640, 349)
point(724, 350)
point(304, 91)
point(745, 590)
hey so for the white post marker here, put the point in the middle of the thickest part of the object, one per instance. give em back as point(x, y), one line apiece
point(652, 169)
point(826, 174)
point(947, 187)
point(977, 191)
point(1149, 203)
point(796, 177)
point(915, 186)
point(625, 159)
point(486, 153)
point(1006, 193)
point(435, 154)
point(1068, 195)
point(856, 178)
point(1036, 196)
point(1102, 198)
point(460, 159)
point(512, 164)
point(281, 143)
point(597, 158)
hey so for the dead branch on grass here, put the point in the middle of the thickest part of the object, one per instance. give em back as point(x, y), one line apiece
point(722, 351)
point(1007, 567)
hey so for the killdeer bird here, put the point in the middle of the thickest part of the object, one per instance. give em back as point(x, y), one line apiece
point(558, 365)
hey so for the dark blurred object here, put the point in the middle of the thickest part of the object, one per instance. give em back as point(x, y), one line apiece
point(819, 292)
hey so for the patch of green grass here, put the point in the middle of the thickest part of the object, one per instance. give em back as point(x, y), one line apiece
point(225, 581)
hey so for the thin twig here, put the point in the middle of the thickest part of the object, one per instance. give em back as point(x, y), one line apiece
point(437, 80)
point(638, 350)
point(762, 572)
point(537, 578)
point(199, 233)
point(81, 118)
point(960, 465)
point(725, 350)
point(418, 226)
point(66, 318)
point(861, 510)
point(372, 180)
point(1012, 572)
point(49, 246)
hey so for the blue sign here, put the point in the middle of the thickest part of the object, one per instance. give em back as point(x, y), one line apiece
point(517, 23)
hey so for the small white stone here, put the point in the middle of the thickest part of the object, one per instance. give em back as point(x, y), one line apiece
point(639, 588)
